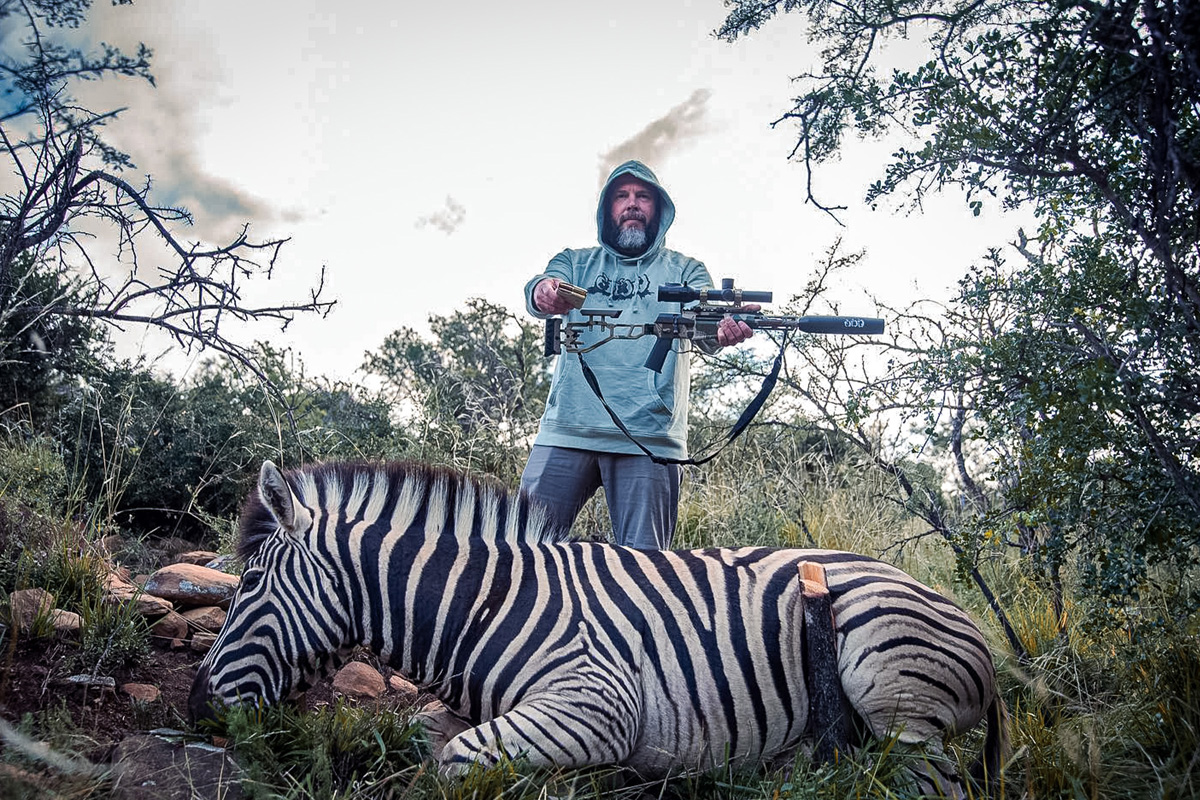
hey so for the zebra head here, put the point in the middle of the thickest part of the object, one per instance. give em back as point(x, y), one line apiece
point(288, 623)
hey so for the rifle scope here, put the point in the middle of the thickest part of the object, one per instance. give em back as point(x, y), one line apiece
point(682, 293)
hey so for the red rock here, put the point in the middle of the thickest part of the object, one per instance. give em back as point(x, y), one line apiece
point(197, 557)
point(206, 618)
point(203, 642)
point(403, 687)
point(170, 631)
point(28, 605)
point(119, 591)
point(192, 585)
point(358, 681)
point(65, 623)
point(141, 692)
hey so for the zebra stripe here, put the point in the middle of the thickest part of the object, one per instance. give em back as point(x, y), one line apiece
point(575, 653)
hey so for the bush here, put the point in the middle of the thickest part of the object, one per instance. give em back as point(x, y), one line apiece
point(166, 458)
point(31, 472)
point(112, 636)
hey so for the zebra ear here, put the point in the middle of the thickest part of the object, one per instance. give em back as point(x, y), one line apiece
point(278, 498)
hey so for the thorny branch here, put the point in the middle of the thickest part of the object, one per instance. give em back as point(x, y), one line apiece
point(191, 295)
point(62, 184)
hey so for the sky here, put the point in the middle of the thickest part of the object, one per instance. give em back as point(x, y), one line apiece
point(425, 153)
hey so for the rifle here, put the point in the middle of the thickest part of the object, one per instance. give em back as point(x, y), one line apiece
point(712, 305)
point(700, 320)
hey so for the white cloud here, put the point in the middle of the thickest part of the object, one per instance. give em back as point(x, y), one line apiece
point(447, 220)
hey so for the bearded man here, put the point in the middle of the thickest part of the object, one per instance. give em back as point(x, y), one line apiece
point(578, 447)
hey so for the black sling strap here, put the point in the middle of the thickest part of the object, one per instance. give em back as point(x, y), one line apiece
point(734, 432)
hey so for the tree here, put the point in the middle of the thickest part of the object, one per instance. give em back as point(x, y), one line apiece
point(473, 395)
point(63, 178)
point(1064, 385)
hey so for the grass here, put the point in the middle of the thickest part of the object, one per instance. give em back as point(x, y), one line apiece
point(1103, 710)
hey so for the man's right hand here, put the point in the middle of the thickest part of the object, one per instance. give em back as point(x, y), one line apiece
point(546, 299)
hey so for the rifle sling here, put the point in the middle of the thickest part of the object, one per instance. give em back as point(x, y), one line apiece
point(734, 432)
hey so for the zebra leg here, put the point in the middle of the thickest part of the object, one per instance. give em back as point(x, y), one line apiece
point(547, 731)
point(442, 725)
point(933, 773)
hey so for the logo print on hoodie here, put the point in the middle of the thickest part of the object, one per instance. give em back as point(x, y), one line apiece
point(621, 288)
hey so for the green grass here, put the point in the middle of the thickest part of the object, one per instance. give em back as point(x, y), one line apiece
point(1105, 709)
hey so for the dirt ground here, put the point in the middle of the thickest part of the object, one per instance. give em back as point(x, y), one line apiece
point(31, 682)
point(31, 678)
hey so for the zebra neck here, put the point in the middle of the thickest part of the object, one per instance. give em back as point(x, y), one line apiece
point(440, 596)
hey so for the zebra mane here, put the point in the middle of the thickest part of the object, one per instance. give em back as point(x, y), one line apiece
point(471, 506)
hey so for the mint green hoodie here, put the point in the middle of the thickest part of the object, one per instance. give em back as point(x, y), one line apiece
point(654, 406)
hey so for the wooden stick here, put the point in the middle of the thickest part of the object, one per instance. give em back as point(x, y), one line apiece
point(826, 711)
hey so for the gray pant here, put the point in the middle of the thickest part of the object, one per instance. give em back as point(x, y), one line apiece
point(643, 497)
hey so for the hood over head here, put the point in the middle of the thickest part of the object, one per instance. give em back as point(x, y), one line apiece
point(657, 229)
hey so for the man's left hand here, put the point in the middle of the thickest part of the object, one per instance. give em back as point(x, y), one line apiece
point(734, 331)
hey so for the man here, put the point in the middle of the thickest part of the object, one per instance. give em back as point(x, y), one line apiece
point(578, 447)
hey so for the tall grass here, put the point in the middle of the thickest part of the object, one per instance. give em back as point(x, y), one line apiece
point(1103, 710)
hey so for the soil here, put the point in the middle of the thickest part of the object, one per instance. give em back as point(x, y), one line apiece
point(31, 682)
point(32, 676)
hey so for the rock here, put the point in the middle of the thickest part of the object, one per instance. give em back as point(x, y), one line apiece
point(91, 687)
point(203, 642)
point(170, 548)
point(92, 681)
point(141, 692)
point(65, 623)
point(441, 725)
point(208, 619)
point(170, 631)
point(404, 688)
point(435, 706)
point(27, 606)
point(198, 557)
point(118, 590)
point(358, 681)
point(113, 543)
point(192, 585)
point(20, 783)
point(149, 768)
point(223, 563)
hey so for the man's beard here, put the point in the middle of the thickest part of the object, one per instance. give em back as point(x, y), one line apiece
point(631, 240)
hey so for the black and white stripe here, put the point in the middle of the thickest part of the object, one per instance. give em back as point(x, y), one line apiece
point(576, 653)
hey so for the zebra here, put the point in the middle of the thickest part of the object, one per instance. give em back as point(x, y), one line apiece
point(574, 653)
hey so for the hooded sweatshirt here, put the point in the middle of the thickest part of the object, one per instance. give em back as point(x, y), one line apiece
point(652, 405)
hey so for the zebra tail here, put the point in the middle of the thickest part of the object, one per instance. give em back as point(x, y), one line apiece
point(996, 749)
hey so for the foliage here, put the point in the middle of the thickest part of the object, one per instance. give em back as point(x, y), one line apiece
point(46, 552)
point(472, 395)
point(154, 454)
point(1074, 106)
point(67, 186)
point(1074, 422)
point(31, 472)
point(335, 751)
point(1098, 711)
point(1062, 389)
point(344, 751)
point(40, 352)
point(111, 636)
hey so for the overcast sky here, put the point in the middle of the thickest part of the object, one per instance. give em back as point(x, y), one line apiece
point(426, 153)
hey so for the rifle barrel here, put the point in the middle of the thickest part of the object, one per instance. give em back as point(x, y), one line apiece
point(817, 324)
